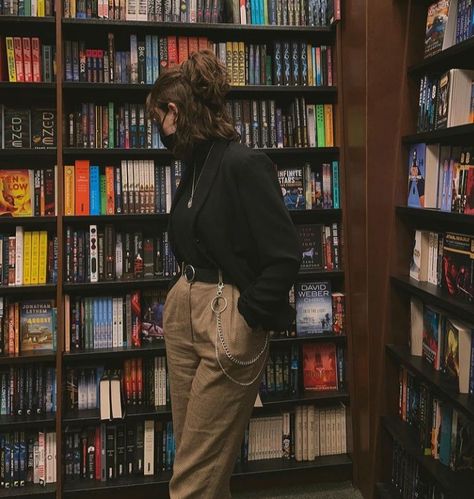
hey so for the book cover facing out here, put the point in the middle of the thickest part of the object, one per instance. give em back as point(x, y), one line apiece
point(15, 193)
point(451, 350)
point(431, 326)
point(292, 188)
point(36, 325)
point(313, 308)
point(416, 176)
point(436, 22)
point(310, 237)
point(153, 303)
point(319, 366)
point(458, 266)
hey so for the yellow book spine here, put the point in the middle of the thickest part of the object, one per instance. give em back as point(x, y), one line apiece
point(241, 63)
point(34, 257)
point(73, 8)
point(41, 8)
point(10, 58)
point(235, 63)
point(69, 194)
point(27, 258)
point(309, 58)
point(329, 125)
point(43, 256)
point(228, 61)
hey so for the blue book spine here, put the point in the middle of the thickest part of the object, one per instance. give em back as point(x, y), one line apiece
point(156, 57)
point(272, 17)
point(95, 325)
point(169, 446)
point(94, 193)
point(445, 441)
point(277, 67)
point(110, 319)
point(260, 12)
point(335, 184)
point(149, 59)
point(304, 64)
point(256, 72)
point(471, 22)
point(318, 69)
point(253, 11)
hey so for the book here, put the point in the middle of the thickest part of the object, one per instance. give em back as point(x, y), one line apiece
point(313, 308)
point(292, 188)
point(436, 22)
point(15, 193)
point(458, 266)
point(152, 309)
point(416, 176)
point(432, 336)
point(319, 366)
point(36, 325)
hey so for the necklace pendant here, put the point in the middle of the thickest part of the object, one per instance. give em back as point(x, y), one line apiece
point(190, 202)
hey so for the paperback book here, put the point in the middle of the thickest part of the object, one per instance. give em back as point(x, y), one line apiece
point(313, 308)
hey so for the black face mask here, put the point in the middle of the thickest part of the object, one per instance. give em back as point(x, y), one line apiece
point(167, 140)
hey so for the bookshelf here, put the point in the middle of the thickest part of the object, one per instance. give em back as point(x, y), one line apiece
point(64, 93)
point(391, 433)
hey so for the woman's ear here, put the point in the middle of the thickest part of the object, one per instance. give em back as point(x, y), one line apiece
point(173, 108)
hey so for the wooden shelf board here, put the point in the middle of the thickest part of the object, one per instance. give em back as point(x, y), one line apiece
point(438, 382)
point(436, 296)
point(7, 85)
point(453, 135)
point(437, 220)
point(28, 358)
point(31, 290)
point(28, 221)
point(114, 285)
point(36, 421)
point(263, 467)
point(100, 354)
point(138, 218)
point(305, 397)
point(46, 491)
point(316, 337)
point(27, 19)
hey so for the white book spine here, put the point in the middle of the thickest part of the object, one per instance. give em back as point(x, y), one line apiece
point(19, 256)
point(50, 457)
point(148, 451)
point(118, 256)
point(124, 179)
point(120, 321)
point(298, 434)
point(41, 458)
point(317, 451)
point(310, 433)
point(305, 432)
point(168, 188)
point(114, 323)
point(322, 432)
point(36, 462)
point(311, 124)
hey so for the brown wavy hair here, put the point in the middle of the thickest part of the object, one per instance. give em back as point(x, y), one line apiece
point(198, 87)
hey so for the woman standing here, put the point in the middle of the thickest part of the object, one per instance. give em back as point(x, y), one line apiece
point(238, 254)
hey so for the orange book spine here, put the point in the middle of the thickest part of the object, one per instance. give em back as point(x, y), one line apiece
point(127, 379)
point(133, 380)
point(27, 59)
point(109, 190)
point(36, 59)
point(183, 49)
point(140, 381)
point(20, 73)
point(329, 125)
point(193, 44)
point(172, 51)
point(203, 42)
point(81, 169)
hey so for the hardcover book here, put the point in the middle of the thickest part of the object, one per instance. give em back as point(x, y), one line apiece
point(292, 188)
point(153, 302)
point(313, 308)
point(310, 236)
point(36, 325)
point(319, 366)
point(458, 266)
point(451, 349)
point(431, 336)
point(15, 193)
point(436, 22)
point(416, 176)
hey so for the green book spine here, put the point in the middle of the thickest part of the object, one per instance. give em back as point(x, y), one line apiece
point(103, 195)
point(268, 70)
point(27, 7)
point(265, 12)
point(320, 125)
point(111, 126)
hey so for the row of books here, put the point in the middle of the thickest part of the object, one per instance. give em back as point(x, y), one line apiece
point(111, 451)
point(322, 246)
point(448, 23)
point(441, 177)
point(134, 187)
point(311, 187)
point(446, 260)
point(104, 254)
point(109, 322)
point(411, 479)
point(445, 344)
point(275, 12)
point(263, 123)
point(27, 326)
point(27, 391)
point(27, 458)
point(260, 123)
point(33, 8)
point(23, 128)
point(28, 193)
point(24, 59)
point(142, 382)
point(323, 367)
point(445, 101)
point(283, 63)
point(318, 310)
point(28, 258)
point(444, 433)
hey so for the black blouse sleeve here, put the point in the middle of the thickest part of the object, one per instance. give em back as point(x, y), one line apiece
point(265, 302)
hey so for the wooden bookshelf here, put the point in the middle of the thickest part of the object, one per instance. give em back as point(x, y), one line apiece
point(63, 94)
point(393, 227)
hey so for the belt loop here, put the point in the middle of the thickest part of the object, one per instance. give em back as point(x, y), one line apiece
point(220, 276)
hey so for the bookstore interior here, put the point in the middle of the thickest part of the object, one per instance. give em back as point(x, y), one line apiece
point(366, 110)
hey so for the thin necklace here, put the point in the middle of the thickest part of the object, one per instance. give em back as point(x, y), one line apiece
point(194, 186)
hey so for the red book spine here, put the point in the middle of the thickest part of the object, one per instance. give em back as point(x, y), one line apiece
point(20, 73)
point(329, 66)
point(82, 187)
point(128, 382)
point(172, 51)
point(36, 59)
point(203, 43)
point(27, 59)
point(97, 453)
point(136, 315)
point(140, 381)
point(193, 44)
point(183, 51)
point(133, 381)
